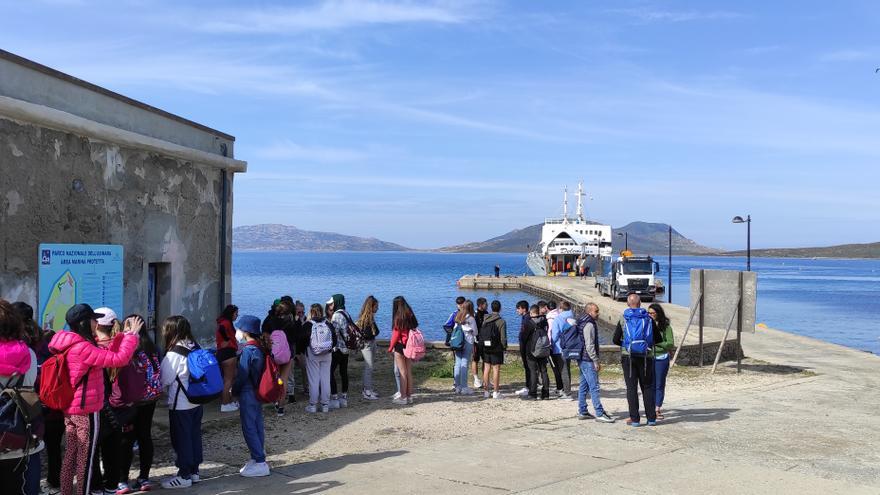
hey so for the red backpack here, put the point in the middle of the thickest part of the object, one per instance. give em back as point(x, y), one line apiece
point(56, 391)
point(271, 386)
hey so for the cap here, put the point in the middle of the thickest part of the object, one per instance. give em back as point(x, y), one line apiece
point(80, 312)
point(108, 318)
point(249, 324)
point(329, 301)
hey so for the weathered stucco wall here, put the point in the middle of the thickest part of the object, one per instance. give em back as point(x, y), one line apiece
point(160, 209)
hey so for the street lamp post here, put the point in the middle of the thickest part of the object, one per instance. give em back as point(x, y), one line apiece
point(748, 222)
point(625, 236)
point(669, 276)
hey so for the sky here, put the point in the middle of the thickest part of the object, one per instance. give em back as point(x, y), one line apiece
point(440, 122)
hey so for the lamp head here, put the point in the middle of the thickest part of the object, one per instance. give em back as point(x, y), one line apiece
point(738, 219)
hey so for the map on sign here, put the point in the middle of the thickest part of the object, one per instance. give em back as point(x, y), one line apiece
point(78, 273)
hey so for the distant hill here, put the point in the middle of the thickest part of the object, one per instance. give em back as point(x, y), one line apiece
point(871, 250)
point(276, 237)
point(644, 238)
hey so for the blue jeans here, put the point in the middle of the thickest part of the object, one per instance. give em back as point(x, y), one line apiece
point(462, 364)
point(589, 382)
point(396, 374)
point(661, 369)
point(251, 412)
point(186, 439)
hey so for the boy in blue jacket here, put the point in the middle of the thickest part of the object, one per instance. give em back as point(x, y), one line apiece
point(247, 380)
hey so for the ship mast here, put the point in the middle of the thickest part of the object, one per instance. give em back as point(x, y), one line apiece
point(565, 205)
point(580, 208)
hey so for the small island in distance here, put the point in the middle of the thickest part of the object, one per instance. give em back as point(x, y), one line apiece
point(643, 238)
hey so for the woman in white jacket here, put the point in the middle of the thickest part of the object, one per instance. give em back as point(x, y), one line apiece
point(465, 319)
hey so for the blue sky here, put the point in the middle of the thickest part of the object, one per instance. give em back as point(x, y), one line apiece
point(440, 122)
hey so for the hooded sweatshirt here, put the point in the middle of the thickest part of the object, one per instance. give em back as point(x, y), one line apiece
point(85, 362)
point(16, 358)
point(497, 320)
point(340, 322)
point(175, 366)
point(559, 322)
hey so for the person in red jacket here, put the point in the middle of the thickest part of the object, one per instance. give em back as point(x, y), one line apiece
point(227, 355)
point(85, 362)
point(402, 321)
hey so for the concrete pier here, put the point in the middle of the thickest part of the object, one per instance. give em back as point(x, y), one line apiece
point(579, 292)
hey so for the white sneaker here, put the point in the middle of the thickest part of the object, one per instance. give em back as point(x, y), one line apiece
point(325, 408)
point(395, 396)
point(368, 394)
point(334, 404)
point(228, 408)
point(522, 391)
point(374, 395)
point(477, 382)
point(466, 391)
point(409, 400)
point(343, 401)
point(175, 483)
point(311, 408)
point(255, 470)
point(456, 390)
point(496, 395)
point(485, 394)
point(250, 462)
point(195, 478)
point(400, 401)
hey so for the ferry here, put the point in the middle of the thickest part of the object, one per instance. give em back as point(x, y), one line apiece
point(564, 240)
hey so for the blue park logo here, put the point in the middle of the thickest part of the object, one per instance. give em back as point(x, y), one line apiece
point(46, 257)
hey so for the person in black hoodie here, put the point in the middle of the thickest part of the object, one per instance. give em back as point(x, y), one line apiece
point(535, 325)
point(522, 310)
point(480, 316)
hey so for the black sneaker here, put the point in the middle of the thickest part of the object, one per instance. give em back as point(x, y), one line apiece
point(291, 399)
point(279, 411)
point(527, 397)
point(586, 416)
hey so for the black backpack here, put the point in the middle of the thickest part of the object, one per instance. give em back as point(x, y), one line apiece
point(21, 417)
point(489, 336)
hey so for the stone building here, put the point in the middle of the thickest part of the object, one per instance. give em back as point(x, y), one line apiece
point(84, 165)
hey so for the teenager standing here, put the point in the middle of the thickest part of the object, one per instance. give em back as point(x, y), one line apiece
point(250, 370)
point(402, 321)
point(85, 363)
point(367, 323)
point(184, 417)
point(465, 319)
point(339, 361)
point(321, 338)
point(227, 354)
point(661, 354)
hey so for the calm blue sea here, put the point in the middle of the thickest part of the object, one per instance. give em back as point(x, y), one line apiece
point(834, 300)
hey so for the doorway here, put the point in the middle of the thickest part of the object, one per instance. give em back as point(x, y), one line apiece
point(158, 297)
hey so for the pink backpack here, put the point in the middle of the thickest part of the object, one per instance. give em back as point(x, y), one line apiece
point(415, 345)
point(280, 347)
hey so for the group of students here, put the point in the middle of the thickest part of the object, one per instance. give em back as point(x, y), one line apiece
point(555, 335)
point(98, 382)
point(98, 385)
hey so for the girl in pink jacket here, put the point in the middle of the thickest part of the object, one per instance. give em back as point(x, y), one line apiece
point(85, 362)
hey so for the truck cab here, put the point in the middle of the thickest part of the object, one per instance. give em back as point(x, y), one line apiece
point(630, 275)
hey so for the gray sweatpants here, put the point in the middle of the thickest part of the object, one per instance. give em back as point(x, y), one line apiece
point(318, 369)
point(369, 351)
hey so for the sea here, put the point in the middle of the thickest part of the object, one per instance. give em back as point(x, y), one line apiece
point(835, 300)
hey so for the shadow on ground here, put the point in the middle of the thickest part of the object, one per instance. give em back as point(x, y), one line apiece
point(696, 415)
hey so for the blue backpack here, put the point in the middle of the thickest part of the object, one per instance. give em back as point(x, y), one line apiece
point(456, 339)
point(638, 331)
point(571, 339)
point(205, 381)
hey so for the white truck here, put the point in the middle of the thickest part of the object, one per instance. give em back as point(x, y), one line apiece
point(629, 275)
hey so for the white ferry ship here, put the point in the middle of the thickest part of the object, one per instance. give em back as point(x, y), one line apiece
point(564, 240)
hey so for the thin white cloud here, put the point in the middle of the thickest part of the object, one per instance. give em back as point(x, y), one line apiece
point(850, 55)
point(288, 150)
point(385, 181)
point(331, 15)
point(646, 14)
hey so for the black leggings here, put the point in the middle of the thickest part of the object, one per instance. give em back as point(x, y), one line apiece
point(538, 369)
point(562, 373)
point(142, 434)
point(54, 433)
point(638, 373)
point(340, 361)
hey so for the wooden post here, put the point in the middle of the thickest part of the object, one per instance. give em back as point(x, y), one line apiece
point(702, 307)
